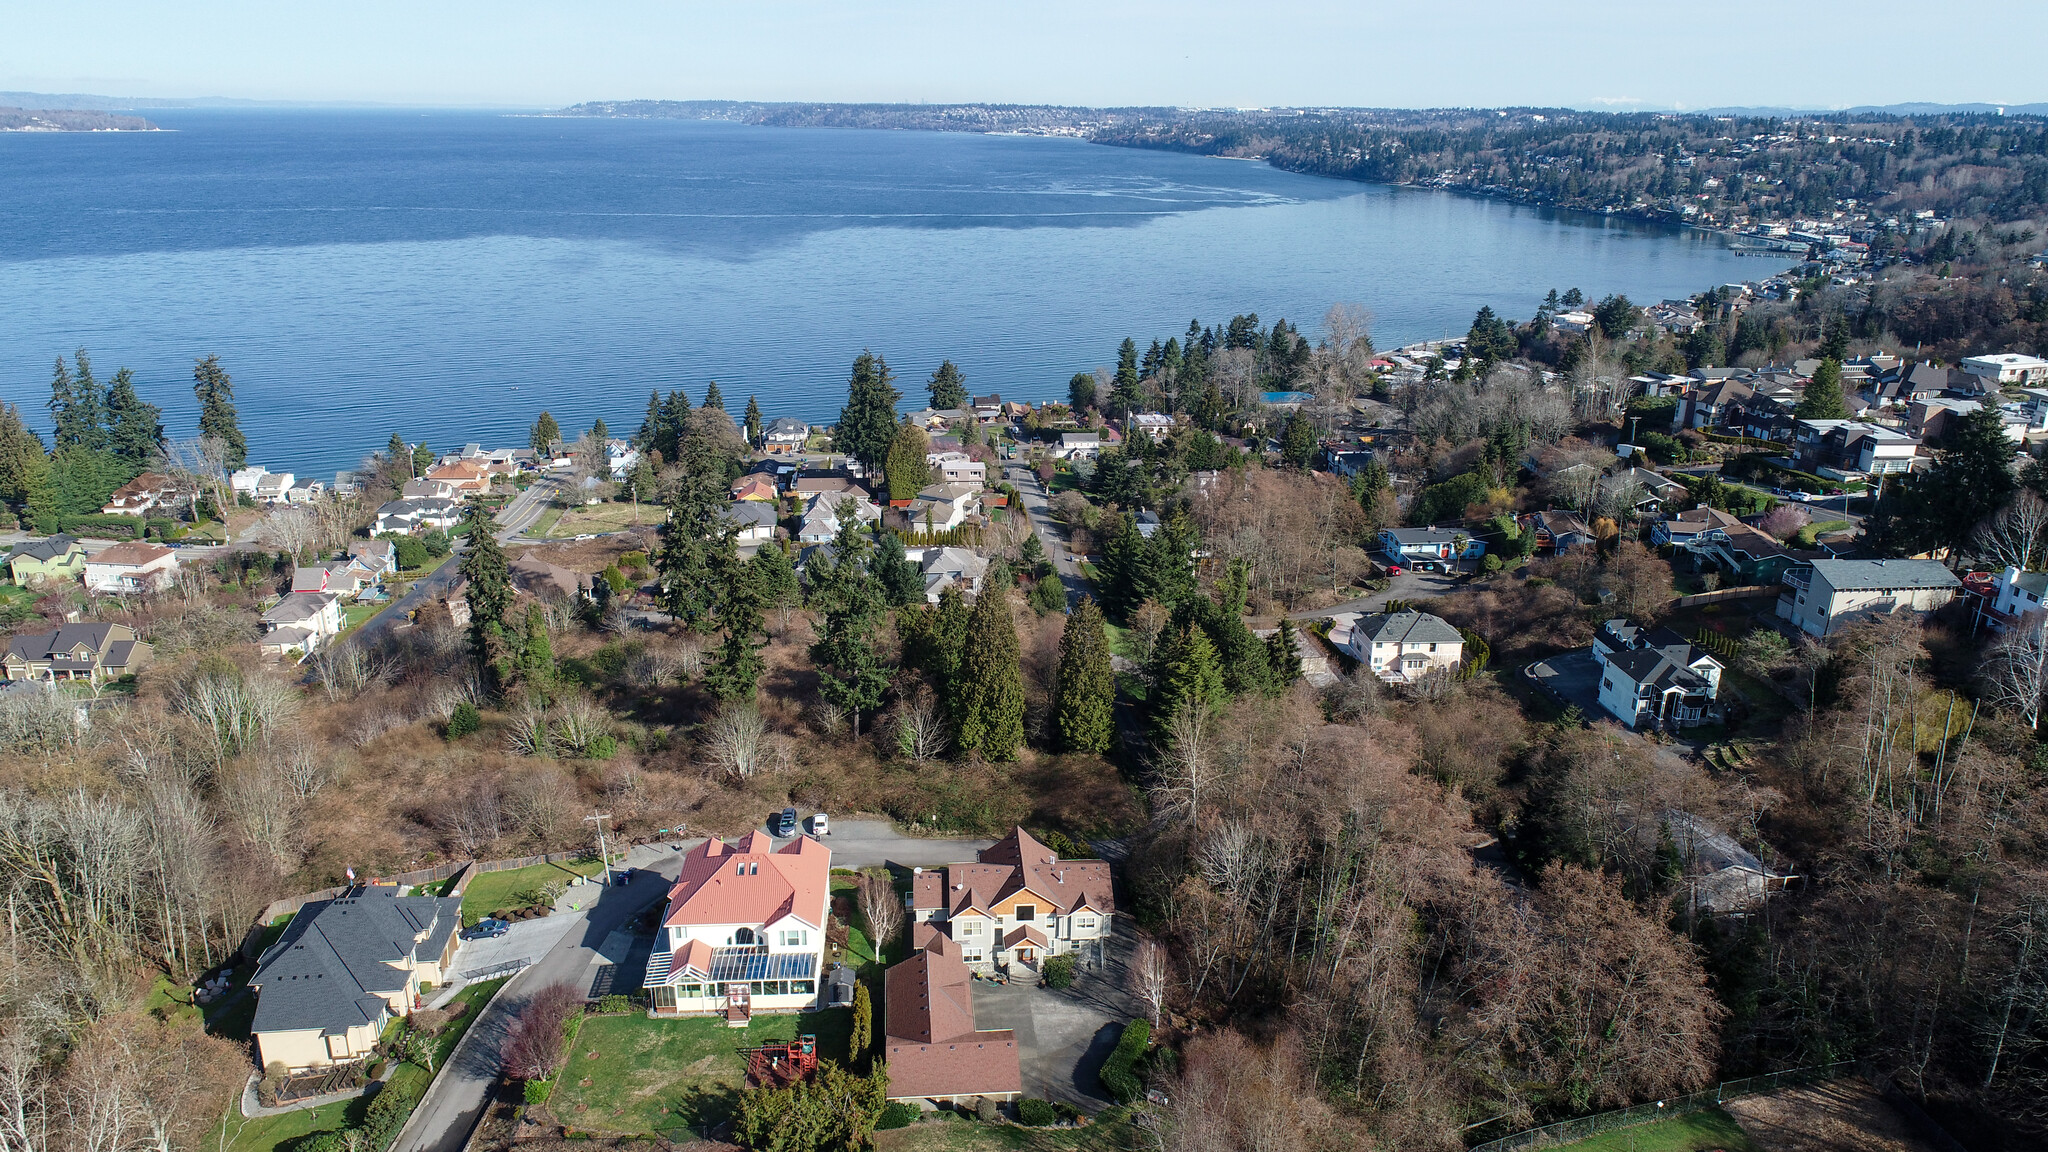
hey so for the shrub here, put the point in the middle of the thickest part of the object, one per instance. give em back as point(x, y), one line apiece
point(1034, 1113)
point(986, 1110)
point(1059, 972)
point(616, 1004)
point(537, 1091)
point(377, 1069)
point(899, 1115)
point(464, 720)
point(1490, 566)
point(603, 748)
point(1119, 1077)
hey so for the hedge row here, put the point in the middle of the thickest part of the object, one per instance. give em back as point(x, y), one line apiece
point(1119, 1076)
point(377, 1127)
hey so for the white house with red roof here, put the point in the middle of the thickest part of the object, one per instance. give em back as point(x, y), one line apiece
point(744, 930)
point(1017, 903)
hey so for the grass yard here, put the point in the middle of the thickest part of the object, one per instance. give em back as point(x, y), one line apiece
point(267, 1133)
point(608, 517)
point(947, 1132)
point(1692, 1132)
point(355, 614)
point(492, 891)
point(630, 1075)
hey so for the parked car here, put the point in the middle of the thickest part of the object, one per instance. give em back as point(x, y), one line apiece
point(1802, 497)
point(1393, 569)
point(821, 824)
point(488, 928)
point(783, 823)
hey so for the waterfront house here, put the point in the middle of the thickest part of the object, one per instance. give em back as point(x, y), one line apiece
point(414, 516)
point(140, 496)
point(743, 930)
point(344, 968)
point(785, 434)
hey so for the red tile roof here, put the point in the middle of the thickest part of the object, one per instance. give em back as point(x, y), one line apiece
point(930, 1043)
point(751, 882)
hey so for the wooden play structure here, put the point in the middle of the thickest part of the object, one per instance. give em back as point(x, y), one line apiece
point(781, 1062)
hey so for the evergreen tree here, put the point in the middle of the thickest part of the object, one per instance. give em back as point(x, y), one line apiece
point(650, 424)
point(1823, 397)
point(673, 426)
point(1185, 674)
point(851, 672)
point(217, 417)
point(933, 639)
point(1282, 657)
point(1081, 393)
point(1048, 595)
point(1834, 339)
point(713, 398)
point(947, 387)
point(1084, 692)
point(135, 428)
point(697, 541)
point(774, 577)
point(541, 438)
point(753, 422)
point(1123, 393)
point(422, 458)
point(863, 1025)
point(88, 412)
point(736, 675)
point(642, 485)
point(536, 665)
point(1298, 441)
point(64, 412)
point(867, 423)
point(1970, 481)
point(489, 589)
point(1371, 484)
point(23, 464)
point(902, 583)
point(399, 453)
point(991, 684)
point(908, 470)
point(599, 432)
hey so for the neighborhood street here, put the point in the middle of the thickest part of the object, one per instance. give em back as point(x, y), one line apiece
point(526, 509)
point(1409, 585)
point(1038, 507)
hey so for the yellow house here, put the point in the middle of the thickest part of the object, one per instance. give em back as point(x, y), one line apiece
point(344, 968)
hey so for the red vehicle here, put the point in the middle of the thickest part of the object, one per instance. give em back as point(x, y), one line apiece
point(1393, 569)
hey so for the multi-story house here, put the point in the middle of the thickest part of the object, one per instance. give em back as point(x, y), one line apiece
point(131, 567)
point(744, 930)
point(1017, 903)
point(1399, 647)
point(91, 652)
point(1837, 448)
point(56, 558)
point(1834, 593)
point(1654, 677)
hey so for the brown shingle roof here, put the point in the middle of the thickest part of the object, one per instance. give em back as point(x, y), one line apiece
point(930, 1043)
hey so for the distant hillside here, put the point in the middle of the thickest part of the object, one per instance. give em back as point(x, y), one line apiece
point(1038, 118)
point(69, 120)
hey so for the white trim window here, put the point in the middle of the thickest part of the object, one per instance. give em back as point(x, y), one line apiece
point(794, 938)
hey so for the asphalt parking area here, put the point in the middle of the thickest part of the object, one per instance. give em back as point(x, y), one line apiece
point(1573, 677)
point(1062, 1038)
point(527, 940)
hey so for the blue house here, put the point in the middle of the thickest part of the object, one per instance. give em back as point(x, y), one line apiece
point(1431, 545)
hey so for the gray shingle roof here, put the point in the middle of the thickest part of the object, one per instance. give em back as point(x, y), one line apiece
point(1657, 668)
point(335, 962)
point(1884, 575)
point(1410, 627)
point(49, 548)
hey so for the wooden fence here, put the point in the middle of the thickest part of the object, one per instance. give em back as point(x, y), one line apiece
point(1744, 592)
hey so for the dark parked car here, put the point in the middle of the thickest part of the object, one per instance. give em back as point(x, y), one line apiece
point(488, 928)
point(783, 823)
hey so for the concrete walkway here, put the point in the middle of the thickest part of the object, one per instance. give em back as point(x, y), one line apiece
point(251, 1109)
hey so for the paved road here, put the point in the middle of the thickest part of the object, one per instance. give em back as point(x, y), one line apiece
point(1038, 508)
point(431, 585)
point(1409, 585)
point(526, 509)
point(455, 1100)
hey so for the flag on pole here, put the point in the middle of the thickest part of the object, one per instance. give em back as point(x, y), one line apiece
point(351, 875)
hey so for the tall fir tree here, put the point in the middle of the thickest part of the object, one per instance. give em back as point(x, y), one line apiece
point(1971, 479)
point(422, 458)
point(902, 583)
point(673, 426)
point(1823, 399)
point(1185, 674)
point(650, 424)
point(753, 422)
point(599, 432)
point(535, 668)
point(1123, 395)
point(851, 672)
point(217, 417)
point(64, 413)
point(713, 398)
point(135, 427)
point(543, 435)
point(23, 464)
point(88, 405)
point(736, 675)
point(991, 683)
point(1282, 656)
point(489, 592)
point(908, 470)
point(947, 387)
point(1084, 694)
point(1081, 393)
point(932, 639)
point(697, 541)
point(868, 421)
point(1298, 441)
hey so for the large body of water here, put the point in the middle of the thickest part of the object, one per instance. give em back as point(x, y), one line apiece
point(448, 275)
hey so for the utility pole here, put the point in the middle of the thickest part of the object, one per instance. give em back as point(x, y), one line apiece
point(603, 853)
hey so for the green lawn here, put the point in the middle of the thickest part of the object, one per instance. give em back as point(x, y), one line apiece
point(631, 1075)
point(497, 891)
point(1692, 1132)
point(546, 523)
point(947, 1132)
point(355, 614)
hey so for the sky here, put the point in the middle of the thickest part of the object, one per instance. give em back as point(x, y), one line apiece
point(1371, 53)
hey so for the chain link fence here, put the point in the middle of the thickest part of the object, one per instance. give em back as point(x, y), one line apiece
point(1567, 1131)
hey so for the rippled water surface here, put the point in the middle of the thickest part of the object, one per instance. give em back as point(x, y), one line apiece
point(448, 275)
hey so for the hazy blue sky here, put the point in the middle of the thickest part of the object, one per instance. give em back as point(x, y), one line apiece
point(1824, 53)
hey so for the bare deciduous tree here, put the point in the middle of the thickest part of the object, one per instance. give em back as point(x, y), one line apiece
point(920, 725)
point(1187, 765)
point(736, 741)
point(880, 906)
point(2016, 669)
point(1149, 974)
point(2018, 536)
